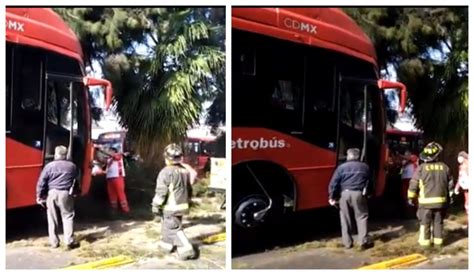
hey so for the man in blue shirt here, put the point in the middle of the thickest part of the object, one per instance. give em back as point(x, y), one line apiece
point(349, 185)
point(55, 191)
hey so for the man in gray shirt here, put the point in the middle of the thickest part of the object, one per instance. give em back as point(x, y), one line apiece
point(54, 191)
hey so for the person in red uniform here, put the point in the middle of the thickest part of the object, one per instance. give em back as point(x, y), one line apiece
point(115, 176)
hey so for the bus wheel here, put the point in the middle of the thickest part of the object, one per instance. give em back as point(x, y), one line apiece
point(247, 210)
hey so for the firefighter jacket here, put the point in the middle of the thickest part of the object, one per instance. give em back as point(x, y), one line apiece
point(432, 183)
point(173, 190)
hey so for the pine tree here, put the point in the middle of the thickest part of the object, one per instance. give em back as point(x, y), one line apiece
point(428, 48)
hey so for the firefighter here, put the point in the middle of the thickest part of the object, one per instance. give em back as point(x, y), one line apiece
point(55, 190)
point(432, 184)
point(463, 178)
point(171, 201)
point(350, 184)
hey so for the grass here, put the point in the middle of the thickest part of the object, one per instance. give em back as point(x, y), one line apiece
point(115, 247)
point(136, 235)
point(200, 188)
point(395, 241)
point(458, 217)
point(28, 243)
point(152, 232)
point(206, 205)
point(407, 243)
point(139, 239)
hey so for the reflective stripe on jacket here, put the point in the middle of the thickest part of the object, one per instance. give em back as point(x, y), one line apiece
point(172, 190)
point(432, 183)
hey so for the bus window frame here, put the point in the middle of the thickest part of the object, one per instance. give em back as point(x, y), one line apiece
point(70, 80)
point(365, 82)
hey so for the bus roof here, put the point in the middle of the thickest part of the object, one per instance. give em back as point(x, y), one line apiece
point(112, 135)
point(204, 139)
point(43, 28)
point(403, 133)
point(328, 28)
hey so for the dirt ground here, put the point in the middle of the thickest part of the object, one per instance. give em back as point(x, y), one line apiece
point(392, 239)
point(134, 236)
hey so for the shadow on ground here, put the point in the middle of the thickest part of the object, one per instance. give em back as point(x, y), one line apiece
point(321, 225)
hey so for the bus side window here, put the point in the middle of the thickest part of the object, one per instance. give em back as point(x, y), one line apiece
point(248, 64)
point(55, 134)
point(27, 87)
point(320, 124)
point(283, 77)
point(52, 106)
point(64, 106)
point(352, 117)
point(30, 88)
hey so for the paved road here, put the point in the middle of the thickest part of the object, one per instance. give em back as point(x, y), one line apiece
point(312, 259)
point(307, 244)
point(330, 259)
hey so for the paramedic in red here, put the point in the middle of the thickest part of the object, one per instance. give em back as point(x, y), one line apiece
point(115, 175)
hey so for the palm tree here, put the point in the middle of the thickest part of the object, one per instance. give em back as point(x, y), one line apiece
point(163, 63)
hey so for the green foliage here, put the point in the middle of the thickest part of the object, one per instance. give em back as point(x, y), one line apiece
point(200, 188)
point(163, 62)
point(428, 47)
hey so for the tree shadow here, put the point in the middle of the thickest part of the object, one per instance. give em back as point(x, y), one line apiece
point(454, 235)
point(213, 219)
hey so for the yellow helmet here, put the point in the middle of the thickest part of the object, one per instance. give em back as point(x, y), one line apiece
point(173, 153)
point(431, 152)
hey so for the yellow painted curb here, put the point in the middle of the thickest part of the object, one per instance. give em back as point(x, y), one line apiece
point(103, 264)
point(398, 262)
point(214, 238)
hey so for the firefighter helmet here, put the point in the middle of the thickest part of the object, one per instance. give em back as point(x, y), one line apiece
point(173, 153)
point(431, 152)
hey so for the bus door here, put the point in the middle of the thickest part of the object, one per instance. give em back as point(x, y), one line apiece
point(361, 121)
point(65, 103)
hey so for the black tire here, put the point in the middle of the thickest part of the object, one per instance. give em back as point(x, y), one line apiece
point(246, 239)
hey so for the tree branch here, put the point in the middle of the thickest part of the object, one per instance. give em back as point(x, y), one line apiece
point(153, 38)
point(448, 46)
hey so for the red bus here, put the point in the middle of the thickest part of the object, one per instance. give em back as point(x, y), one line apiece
point(115, 139)
point(197, 151)
point(46, 97)
point(305, 88)
point(405, 141)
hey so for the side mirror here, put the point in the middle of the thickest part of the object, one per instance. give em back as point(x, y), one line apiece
point(386, 84)
point(90, 81)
